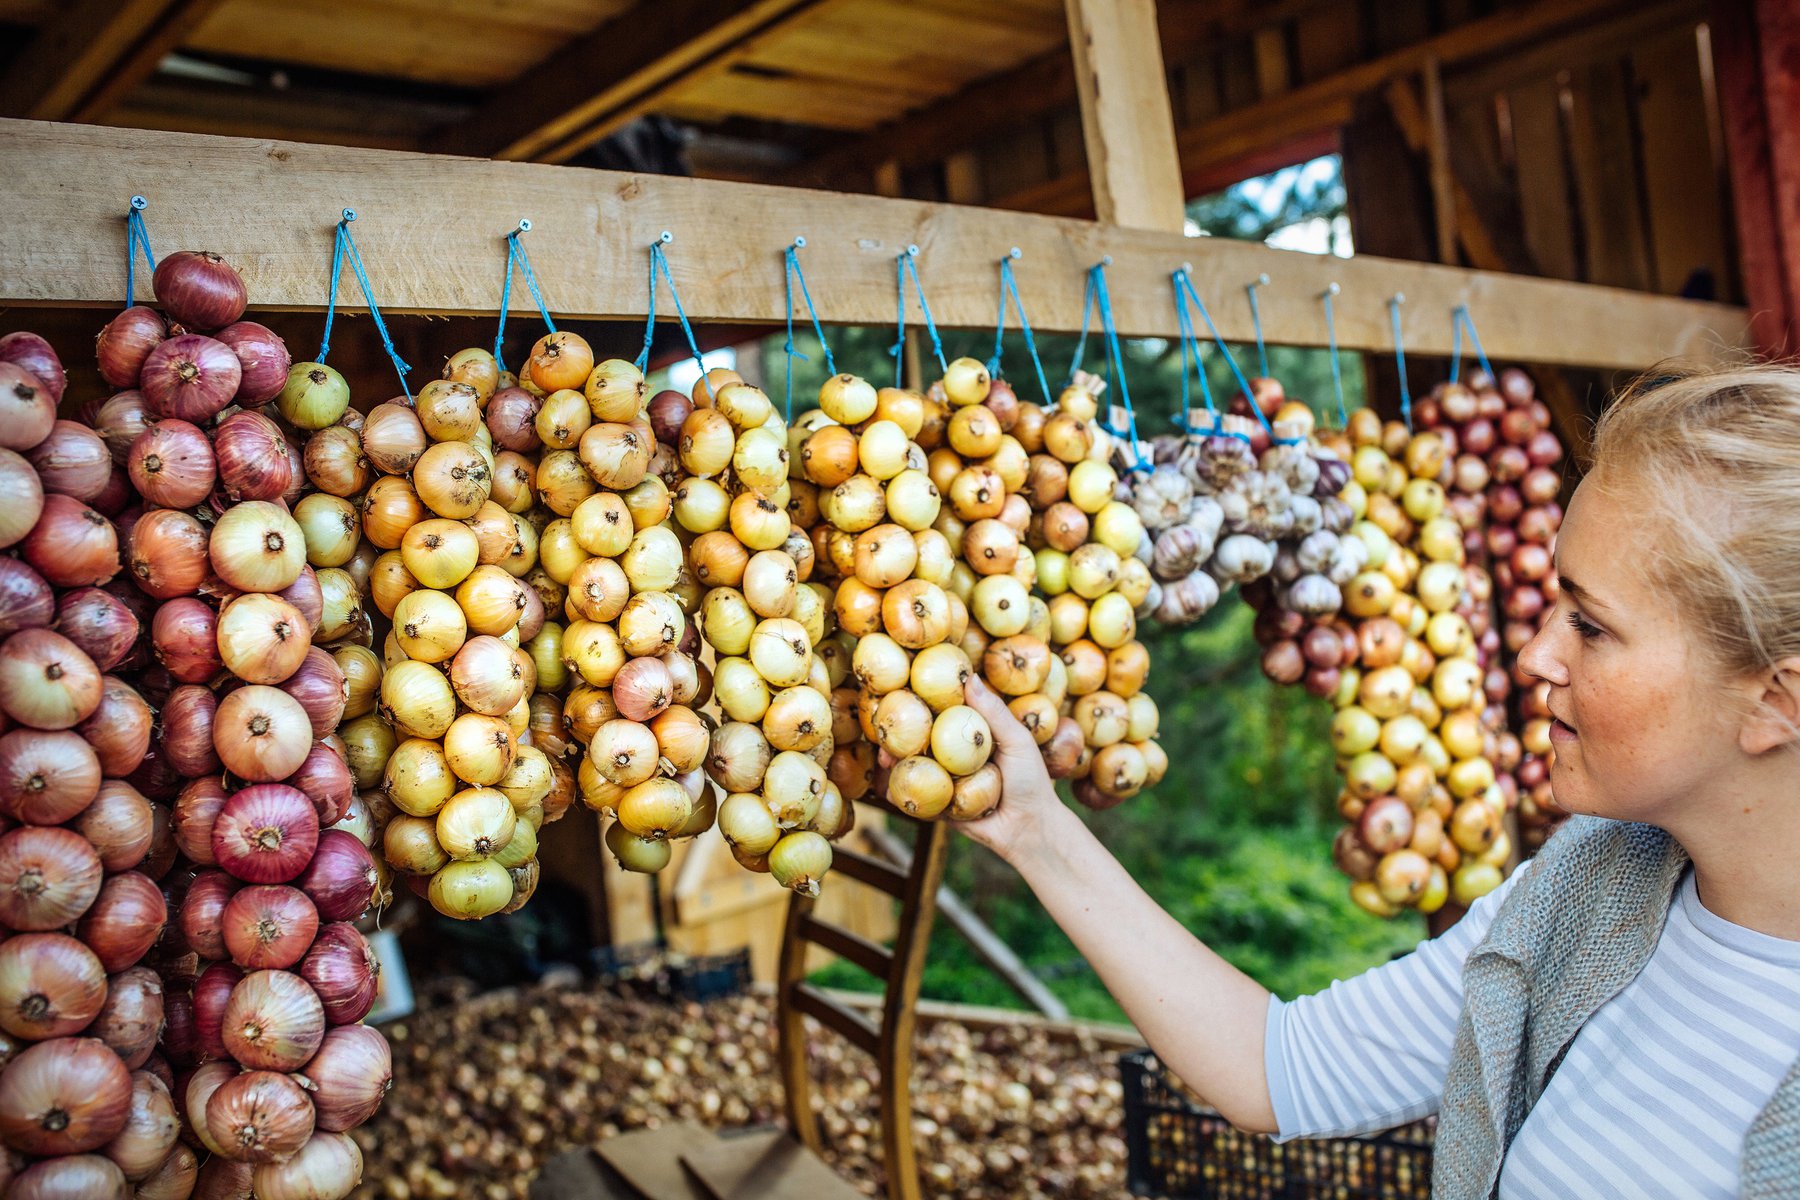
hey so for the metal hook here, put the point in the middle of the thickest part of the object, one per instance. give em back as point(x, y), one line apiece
point(1260, 281)
point(1105, 261)
point(1015, 254)
point(800, 242)
point(664, 238)
point(1331, 289)
point(1397, 298)
point(139, 203)
point(912, 250)
point(524, 226)
point(1187, 268)
point(349, 214)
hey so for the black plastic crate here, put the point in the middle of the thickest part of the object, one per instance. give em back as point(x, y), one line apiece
point(1181, 1150)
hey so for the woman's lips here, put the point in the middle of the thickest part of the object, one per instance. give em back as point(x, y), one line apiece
point(1560, 732)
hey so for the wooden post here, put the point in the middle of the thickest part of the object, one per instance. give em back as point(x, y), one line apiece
point(1125, 115)
point(1443, 183)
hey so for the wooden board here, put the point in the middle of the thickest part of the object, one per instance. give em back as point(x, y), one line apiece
point(431, 231)
point(1128, 126)
point(1606, 178)
point(650, 1159)
point(579, 1175)
point(1543, 174)
point(766, 1166)
point(1681, 174)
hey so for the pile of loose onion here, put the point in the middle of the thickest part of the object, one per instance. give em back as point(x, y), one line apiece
point(449, 485)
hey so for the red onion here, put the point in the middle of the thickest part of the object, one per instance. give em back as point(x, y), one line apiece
point(512, 420)
point(320, 687)
point(262, 638)
point(120, 422)
point(222, 1179)
point(46, 778)
point(255, 460)
point(63, 1097)
point(72, 461)
point(132, 1017)
point(71, 544)
point(190, 376)
point(344, 972)
point(264, 358)
point(26, 410)
point(325, 779)
point(262, 734)
point(269, 925)
point(203, 912)
point(51, 986)
point(212, 992)
point(179, 1041)
point(266, 833)
point(187, 734)
point(46, 680)
point(199, 289)
point(260, 1117)
point(176, 1178)
point(115, 497)
point(196, 810)
point(349, 1076)
point(124, 921)
point(126, 342)
point(37, 356)
point(341, 879)
point(71, 1177)
point(151, 1128)
point(183, 632)
point(163, 853)
point(99, 623)
point(48, 877)
point(306, 595)
point(171, 464)
point(26, 601)
point(167, 554)
point(21, 497)
point(667, 411)
point(120, 825)
point(273, 1021)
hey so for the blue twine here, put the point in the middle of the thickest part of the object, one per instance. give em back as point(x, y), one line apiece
point(1010, 286)
point(136, 236)
point(1087, 311)
point(903, 263)
point(791, 271)
point(1184, 281)
point(1191, 359)
point(659, 259)
point(1097, 273)
point(1262, 351)
point(1459, 317)
point(345, 239)
point(515, 249)
point(1337, 373)
point(1394, 303)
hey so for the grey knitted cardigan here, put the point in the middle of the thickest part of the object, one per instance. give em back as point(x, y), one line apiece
point(1563, 943)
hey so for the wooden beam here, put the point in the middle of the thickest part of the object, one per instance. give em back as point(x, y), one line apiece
point(1444, 188)
point(431, 230)
point(1460, 223)
point(1774, 306)
point(1126, 120)
point(86, 58)
point(546, 114)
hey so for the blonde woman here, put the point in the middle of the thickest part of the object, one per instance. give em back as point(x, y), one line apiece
point(1622, 1017)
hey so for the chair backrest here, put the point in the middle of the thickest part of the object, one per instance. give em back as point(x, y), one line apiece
point(889, 1042)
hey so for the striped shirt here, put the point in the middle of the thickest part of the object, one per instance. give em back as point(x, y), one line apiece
point(1653, 1098)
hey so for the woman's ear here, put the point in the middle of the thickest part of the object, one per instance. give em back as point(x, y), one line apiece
point(1774, 719)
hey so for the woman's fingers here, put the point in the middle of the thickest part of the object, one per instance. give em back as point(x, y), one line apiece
point(1011, 736)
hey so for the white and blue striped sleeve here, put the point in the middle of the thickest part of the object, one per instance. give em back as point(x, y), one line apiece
point(1372, 1052)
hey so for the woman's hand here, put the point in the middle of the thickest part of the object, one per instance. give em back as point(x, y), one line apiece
point(1028, 800)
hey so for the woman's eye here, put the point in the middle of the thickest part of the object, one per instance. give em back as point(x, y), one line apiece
point(1582, 626)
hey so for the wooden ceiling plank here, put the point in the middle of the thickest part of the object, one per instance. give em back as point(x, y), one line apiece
point(73, 54)
point(636, 57)
point(140, 63)
point(1126, 119)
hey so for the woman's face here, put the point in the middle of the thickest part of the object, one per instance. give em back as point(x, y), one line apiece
point(1644, 725)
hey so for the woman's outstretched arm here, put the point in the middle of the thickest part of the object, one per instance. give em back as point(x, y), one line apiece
point(1205, 1018)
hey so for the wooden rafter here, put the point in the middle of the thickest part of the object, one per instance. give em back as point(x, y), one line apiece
point(87, 58)
point(1127, 125)
point(548, 115)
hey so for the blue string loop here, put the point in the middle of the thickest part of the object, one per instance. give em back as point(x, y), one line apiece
point(344, 245)
point(1337, 371)
point(1184, 283)
point(791, 271)
point(1459, 318)
point(136, 236)
point(1097, 285)
point(1191, 360)
point(1262, 351)
point(515, 251)
point(903, 263)
point(1394, 303)
point(1010, 287)
point(660, 260)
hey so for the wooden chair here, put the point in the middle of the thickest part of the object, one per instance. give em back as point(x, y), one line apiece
point(890, 1041)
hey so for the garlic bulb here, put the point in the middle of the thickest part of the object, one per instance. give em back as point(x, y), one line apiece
point(1314, 595)
point(1162, 497)
point(1187, 600)
point(1242, 558)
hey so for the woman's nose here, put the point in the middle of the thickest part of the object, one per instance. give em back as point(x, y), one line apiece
point(1540, 658)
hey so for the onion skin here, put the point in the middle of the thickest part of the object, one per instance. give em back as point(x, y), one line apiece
point(167, 553)
point(269, 926)
point(262, 734)
point(72, 461)
point(191, 377)
point(125, 920)
point(72, 545)
point(119, 730)
point(199, 289)
point(171, 464)
point(321, 689)
point(26, 410)
point(255, 461)
point(126, 341)
point(21, 494)
point(341, 880)
point(132, 1018)
point(38, 358)
point(343, 972)
point(263, 358)
point(184, 634)
point(350, 1075)
point(46, 778)
point(196, 809)
point(325, 779)
point(260, 1117)
point(122, 419)
point(120, 825)
point(51, 986)
point(26, 601)
point(151, 1128)
point(71, 1177)
point(223, 1179)
point(174, 1179)
point(212, 992)
point(48, 877)
point(203, 911)
point(265, 833)
point(329, 1165)
point(273, 1021)
point(187, 731)
point(99, 623)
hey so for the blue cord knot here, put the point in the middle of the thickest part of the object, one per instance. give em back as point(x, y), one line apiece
point(515, 252)
point(1186, 294)
point(1009, 286)
point(1459, 318)
point(903, 263)
point(790, 272)
point(659, 260)
point(137, 236)
point(344, 245)
point(1097, 295)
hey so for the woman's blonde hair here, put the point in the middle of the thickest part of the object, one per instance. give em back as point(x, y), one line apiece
point(1714, 456)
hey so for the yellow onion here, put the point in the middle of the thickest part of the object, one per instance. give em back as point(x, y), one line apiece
point(389, 581)
point(741, 690)
point(410, 844)
point(655, 809)
point(492, 600)
point(920, 786)
point(362, 678)
point(418, 778)
point(453, 479)
point(707, 443)
point(976, 795)
point(617, 456)
point(440, 552)
point(780, 652)
point(770, 582)
point(602, 524)
point(625, 752)
point(792, 787)
point(487, 676)
point(475, 823)
point(938, 674)
point(682, 738)
point(449, 411)
point(331, 527)
point(471, 890)
point(429, 626)
point(615, 390)
point(747, 824)
point(903, 724)
point(651, 624)
point(799, 718)
point(916, 614)
point(479, 748)
point(799, 860)
point(759, 522)
point(368, 741)
point(635, 853)
point(847, 399)
point(701, 506)
point(961, 740)
point(417, 700)
point(563, 482)
point(653, 560)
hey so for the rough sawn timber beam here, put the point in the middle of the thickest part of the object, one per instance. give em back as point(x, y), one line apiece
point(431, 230)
